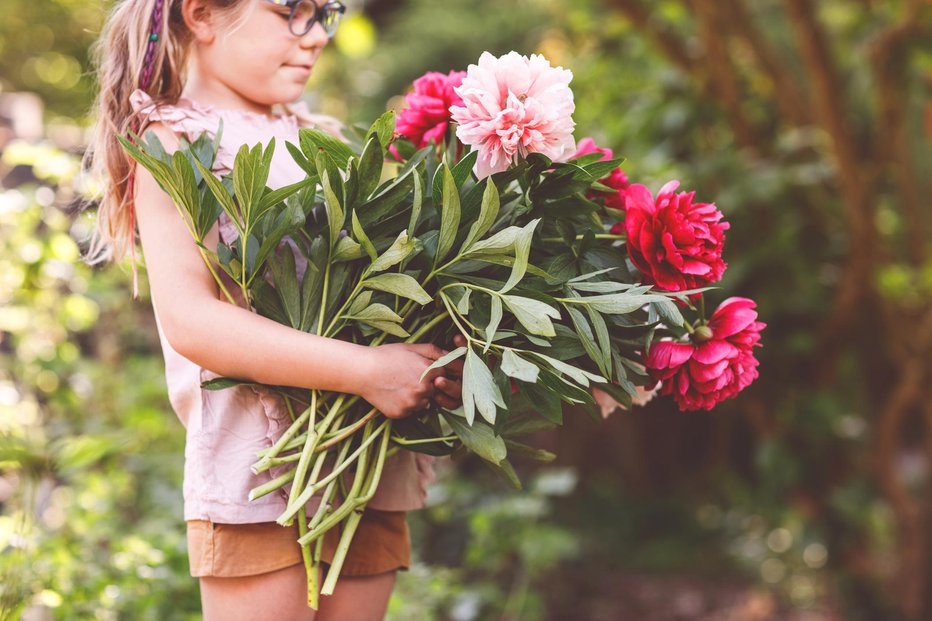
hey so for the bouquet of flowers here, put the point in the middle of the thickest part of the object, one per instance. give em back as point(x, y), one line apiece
point(477, 214)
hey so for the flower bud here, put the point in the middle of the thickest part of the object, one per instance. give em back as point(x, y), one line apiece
point(702, 334)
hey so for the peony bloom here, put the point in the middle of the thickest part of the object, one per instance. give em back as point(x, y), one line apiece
point(427, 112)
point(513, 106)
point(701, 374)
point(617, 180)
point(676, 243)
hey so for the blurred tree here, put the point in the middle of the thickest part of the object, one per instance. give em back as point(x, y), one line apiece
point(44, 48)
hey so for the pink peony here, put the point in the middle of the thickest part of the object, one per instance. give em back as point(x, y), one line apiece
point(617, 180)
point(427, 114)
point(676, 243)
point(700, 375)
point(513, 106)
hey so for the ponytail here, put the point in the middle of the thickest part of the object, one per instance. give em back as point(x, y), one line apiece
point(143, 45)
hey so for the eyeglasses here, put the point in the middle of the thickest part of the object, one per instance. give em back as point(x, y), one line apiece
point(305, 13)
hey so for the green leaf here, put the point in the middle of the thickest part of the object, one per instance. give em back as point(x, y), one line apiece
point(417, 203)
point(444, 360)
point(400, 248)
point(377, 311)
point(399, 284)
point(312, 287)
point(462, 305)
point(383, 128)
point(360, 302)
point(479, 438)
point(362, 237)
point(370, 167)
point(533, 314)
point(346, 250)
point(580, 376)
point(307, 164)
point(488, 212)
point(592, 275)
point(502, 241)
point(668, 311)
point(449, 215)
point(522, 253)
point(286, 284)
point(480, 392)
point(603, 339)
point(312, 140)
point(250, 173)
point(586, 337)
point(222, 195)
point(505, 470)
point(387, 326)
point(463, 168)
point(616, 303)
point(495, 318)
point(537, 454)
point(543, 401)
point(517, 367)
point(334, 211)
point(273, 197)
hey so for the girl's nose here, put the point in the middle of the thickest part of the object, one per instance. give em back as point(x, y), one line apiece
point(315, 37)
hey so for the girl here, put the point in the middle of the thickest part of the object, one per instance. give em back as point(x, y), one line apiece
point(179, 67)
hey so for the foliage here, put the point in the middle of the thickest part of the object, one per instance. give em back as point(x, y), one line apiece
point(90, 455)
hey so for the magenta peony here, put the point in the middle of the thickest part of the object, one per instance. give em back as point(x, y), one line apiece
point(703, 373)
point(427, 112)
point(617, 180)
point(513, 106)
point(676, 243)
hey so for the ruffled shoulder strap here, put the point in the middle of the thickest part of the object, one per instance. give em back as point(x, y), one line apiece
point(181, 117)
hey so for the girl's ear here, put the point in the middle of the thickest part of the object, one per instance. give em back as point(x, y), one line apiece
point(199, 20)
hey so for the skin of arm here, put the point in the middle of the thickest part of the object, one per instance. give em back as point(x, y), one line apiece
point(199, 324)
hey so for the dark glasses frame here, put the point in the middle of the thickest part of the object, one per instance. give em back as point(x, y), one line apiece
point(320, 12)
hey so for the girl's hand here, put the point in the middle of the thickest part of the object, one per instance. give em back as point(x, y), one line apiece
point(393, 386)
point(449, 387)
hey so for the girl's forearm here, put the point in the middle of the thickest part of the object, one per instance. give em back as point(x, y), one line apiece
point(234, 342)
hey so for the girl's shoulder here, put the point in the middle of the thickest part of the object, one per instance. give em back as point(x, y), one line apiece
point(189, 117)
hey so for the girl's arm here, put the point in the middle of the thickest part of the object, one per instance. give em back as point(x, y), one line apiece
point(235, 342)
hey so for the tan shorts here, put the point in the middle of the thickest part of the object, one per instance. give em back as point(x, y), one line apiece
point(382, 543)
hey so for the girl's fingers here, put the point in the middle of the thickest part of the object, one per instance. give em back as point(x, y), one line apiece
point(449, 387)
point(446, 402)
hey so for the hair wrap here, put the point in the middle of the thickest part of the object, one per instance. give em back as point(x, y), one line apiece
point(155, 32)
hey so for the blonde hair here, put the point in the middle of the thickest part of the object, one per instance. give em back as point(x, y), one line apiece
point(120, 59)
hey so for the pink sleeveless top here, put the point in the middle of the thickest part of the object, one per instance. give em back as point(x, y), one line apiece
point(225, 428)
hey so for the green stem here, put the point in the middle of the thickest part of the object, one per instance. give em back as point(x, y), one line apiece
point(359, 503)
point(270, 486)
point(216, 276)
point(349, 430)
point(309, 492)
point(340, 514)
point(427, 327)
point(309, 446)
point(279, 446)
point(579, 237)
point(404, 442)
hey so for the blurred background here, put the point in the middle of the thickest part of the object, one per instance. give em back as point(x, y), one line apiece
point(807, 498)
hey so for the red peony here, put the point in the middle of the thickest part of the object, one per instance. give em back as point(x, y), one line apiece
point(676, 243)
point(617, 180)
point(701, 373)
point(427, 114)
